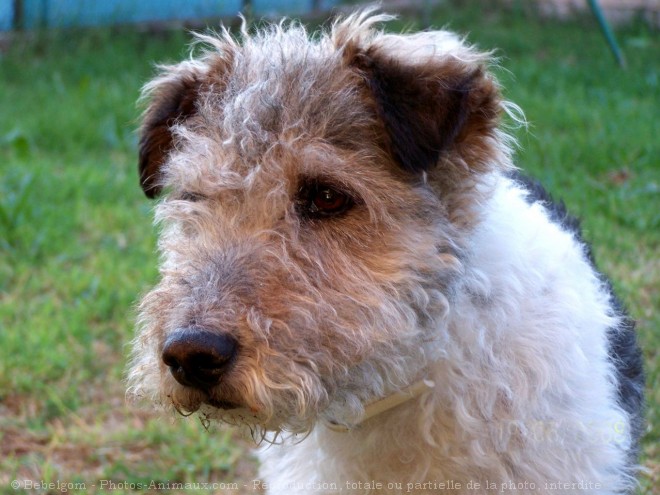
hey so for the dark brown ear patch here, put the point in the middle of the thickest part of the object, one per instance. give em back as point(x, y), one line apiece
point(173, 100)
point(424, 108)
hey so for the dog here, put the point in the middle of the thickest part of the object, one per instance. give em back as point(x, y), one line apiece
point(354, 271)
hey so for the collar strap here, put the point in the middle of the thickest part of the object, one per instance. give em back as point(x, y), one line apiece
point(385, 404)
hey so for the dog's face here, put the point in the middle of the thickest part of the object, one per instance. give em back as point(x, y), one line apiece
point(315, 198)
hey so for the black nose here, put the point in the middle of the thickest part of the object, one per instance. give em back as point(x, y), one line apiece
point(198, 358)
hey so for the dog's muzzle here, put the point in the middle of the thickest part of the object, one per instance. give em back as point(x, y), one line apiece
point(198, 358)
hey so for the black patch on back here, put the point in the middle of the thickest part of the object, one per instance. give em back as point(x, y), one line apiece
point(624, 351)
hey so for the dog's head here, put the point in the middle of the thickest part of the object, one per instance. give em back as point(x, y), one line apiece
point(315, 197)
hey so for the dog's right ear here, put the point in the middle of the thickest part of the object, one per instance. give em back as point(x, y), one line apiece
point(173, 98)
point(432, 93)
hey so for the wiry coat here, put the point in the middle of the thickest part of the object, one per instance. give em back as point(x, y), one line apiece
point(446, 267)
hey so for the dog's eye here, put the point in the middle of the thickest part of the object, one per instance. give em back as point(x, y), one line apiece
point(325, 201)
point(328, 200)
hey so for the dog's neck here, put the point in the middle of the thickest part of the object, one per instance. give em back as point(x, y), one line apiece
point(385, 404)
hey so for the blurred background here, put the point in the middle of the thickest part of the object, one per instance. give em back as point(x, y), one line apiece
point(77, 246)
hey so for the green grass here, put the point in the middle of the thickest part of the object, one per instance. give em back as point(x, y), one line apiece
point(77, 246)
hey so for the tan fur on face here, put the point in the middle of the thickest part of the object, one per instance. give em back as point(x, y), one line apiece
point(328, 313)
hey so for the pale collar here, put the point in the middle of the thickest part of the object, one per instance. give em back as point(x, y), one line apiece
point(385, 404)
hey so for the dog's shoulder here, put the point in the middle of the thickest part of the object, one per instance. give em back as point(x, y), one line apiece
point(624, 352)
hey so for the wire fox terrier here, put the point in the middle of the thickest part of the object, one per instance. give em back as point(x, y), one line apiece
point(353, 270)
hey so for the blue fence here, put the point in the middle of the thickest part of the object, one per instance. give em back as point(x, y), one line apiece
point(32, 14)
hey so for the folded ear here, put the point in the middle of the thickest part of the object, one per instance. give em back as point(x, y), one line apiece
point(432, 94)
point(172, 99)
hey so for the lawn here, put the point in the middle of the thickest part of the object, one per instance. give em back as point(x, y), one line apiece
point(77, 245)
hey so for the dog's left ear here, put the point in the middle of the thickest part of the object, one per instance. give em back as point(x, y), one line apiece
point(172, 98)
point(432, 100)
